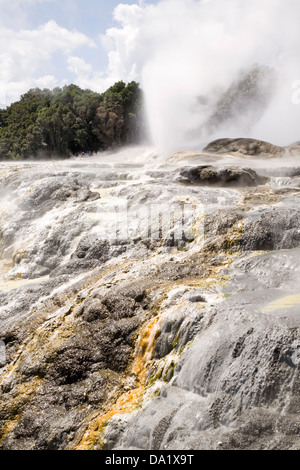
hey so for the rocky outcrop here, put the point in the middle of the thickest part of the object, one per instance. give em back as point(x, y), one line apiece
point(234, 177)
point(235, 386)
point(56, 391)
point(248, 147)
point(149, 306)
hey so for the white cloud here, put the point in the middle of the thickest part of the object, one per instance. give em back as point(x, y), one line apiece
point(14, 13)
point(79, 67)
point(28, 52)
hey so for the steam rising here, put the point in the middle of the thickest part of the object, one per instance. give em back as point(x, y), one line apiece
point(188, 53)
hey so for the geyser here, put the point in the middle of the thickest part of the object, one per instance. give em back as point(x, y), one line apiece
point(190, 55)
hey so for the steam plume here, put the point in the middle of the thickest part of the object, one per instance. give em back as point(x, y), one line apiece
point(188, 54)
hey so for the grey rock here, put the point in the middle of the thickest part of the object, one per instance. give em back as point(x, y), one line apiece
point(251, 147)
point(197, 298)
point(271, 230)
point(200, 330)
point(209, 175)
point(222, 386)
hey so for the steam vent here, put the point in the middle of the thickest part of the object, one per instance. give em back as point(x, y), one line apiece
point(150, 304)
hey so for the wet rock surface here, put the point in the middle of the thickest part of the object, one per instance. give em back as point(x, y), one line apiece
point(221, 387)
point(208, 175)
point(146, 305)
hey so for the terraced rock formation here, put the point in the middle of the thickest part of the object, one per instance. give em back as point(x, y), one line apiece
point(150, 304)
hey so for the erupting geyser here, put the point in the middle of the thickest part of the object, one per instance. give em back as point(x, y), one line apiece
point(188, 54)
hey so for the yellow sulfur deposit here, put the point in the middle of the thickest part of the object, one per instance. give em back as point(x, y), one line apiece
point(284, 302)
point(129, 400)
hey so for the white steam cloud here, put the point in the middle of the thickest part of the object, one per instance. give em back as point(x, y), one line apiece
point(182, 49)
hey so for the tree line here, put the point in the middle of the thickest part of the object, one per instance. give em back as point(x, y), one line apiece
point(69, 120)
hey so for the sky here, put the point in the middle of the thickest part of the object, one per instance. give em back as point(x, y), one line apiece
point(49, 43)
point(178, 50)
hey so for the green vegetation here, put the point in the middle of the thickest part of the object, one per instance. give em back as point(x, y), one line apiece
point(57, 123)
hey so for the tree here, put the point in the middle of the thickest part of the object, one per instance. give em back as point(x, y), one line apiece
point(49, 124)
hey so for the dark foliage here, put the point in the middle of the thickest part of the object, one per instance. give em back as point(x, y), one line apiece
point(57, 123)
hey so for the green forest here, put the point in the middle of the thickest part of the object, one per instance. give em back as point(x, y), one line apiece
point(70, 121)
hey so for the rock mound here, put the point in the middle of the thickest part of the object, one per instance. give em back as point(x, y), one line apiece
point(209, 175)
point(244, 146)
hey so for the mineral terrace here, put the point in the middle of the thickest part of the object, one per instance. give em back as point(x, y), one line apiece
point(152, 304)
